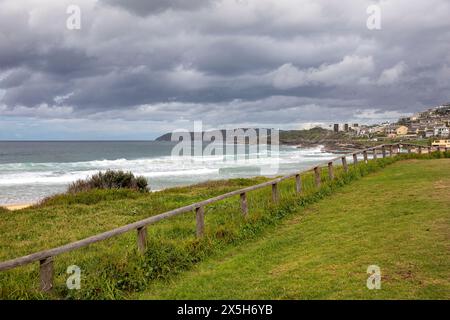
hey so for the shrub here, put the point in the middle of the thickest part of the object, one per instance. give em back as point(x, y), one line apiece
point(109, 179)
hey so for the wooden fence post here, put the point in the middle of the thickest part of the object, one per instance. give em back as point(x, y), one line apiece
point(344, 164)
point(383, 151)
point(298, 183)
point(355, 159)
point(46, 274)
point(275, 195)
point(429, 149)
point(374, 153)
point(420, 150)
point(330, 171)
point(366, 159)
point(200, 215)
point(244, 206)
point(391, 150)
point(142, 239)
point(317, 176)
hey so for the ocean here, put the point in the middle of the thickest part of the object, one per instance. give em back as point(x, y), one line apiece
point(30, 171)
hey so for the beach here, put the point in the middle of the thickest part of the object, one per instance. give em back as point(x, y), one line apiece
point(14, 207)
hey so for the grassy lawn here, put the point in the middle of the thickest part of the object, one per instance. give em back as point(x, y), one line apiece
point(397, 218)
point(314, 245)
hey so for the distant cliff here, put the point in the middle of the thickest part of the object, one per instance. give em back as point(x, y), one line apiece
point(305, 138)
point(164, 137)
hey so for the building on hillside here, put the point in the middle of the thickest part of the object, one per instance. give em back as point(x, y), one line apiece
point(441, 143)
point(402, 130)
point(390, 129)
point(346, 127)
point(336, 127)
point(363, 130)
point(406, 121)
point(412, 131)
point(376, 129)
point(395, 130)
point(441, 131)
point(429, 133)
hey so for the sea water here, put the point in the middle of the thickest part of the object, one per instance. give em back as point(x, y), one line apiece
point(30, 171)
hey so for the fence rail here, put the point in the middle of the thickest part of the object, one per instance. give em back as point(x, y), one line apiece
point(46, 257)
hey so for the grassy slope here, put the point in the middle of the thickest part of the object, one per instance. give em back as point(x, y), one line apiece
point(67, 218)
point(398, 219)
point(112, 269)
point(311, 135)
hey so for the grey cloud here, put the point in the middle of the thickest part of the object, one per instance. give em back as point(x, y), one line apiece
point(225, 62)
point(66, 61)
point(144, 8)
point(15, 78)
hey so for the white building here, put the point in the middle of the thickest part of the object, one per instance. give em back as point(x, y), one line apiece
point(441, 131)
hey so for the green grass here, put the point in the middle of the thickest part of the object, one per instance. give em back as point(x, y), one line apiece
point(398, 219)
point(113, 269)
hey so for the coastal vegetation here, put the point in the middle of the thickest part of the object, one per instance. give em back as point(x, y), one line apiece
point(397, 219)
point(114, 268)
point(110, 179)
point(313, 136)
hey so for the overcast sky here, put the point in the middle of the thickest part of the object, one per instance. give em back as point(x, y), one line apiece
point(136, 69)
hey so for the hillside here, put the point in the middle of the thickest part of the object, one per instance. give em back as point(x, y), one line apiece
point(315, 136)
point(307, 137)
point(397, 219)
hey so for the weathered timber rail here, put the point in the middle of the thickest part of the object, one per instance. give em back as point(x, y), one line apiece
point(46, 257)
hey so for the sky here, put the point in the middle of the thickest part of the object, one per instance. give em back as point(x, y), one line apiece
point(129, 69)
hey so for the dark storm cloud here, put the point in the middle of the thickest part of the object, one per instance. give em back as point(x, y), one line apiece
point(227, 61)
point(15, 79)
point(64, 61)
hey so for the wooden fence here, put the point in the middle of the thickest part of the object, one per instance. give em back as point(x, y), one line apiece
point(46, 257)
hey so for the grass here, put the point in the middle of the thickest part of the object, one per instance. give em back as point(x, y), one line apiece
point(398, 219)
point(113, 269)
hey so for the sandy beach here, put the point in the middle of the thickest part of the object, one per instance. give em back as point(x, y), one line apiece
point(13, 207)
